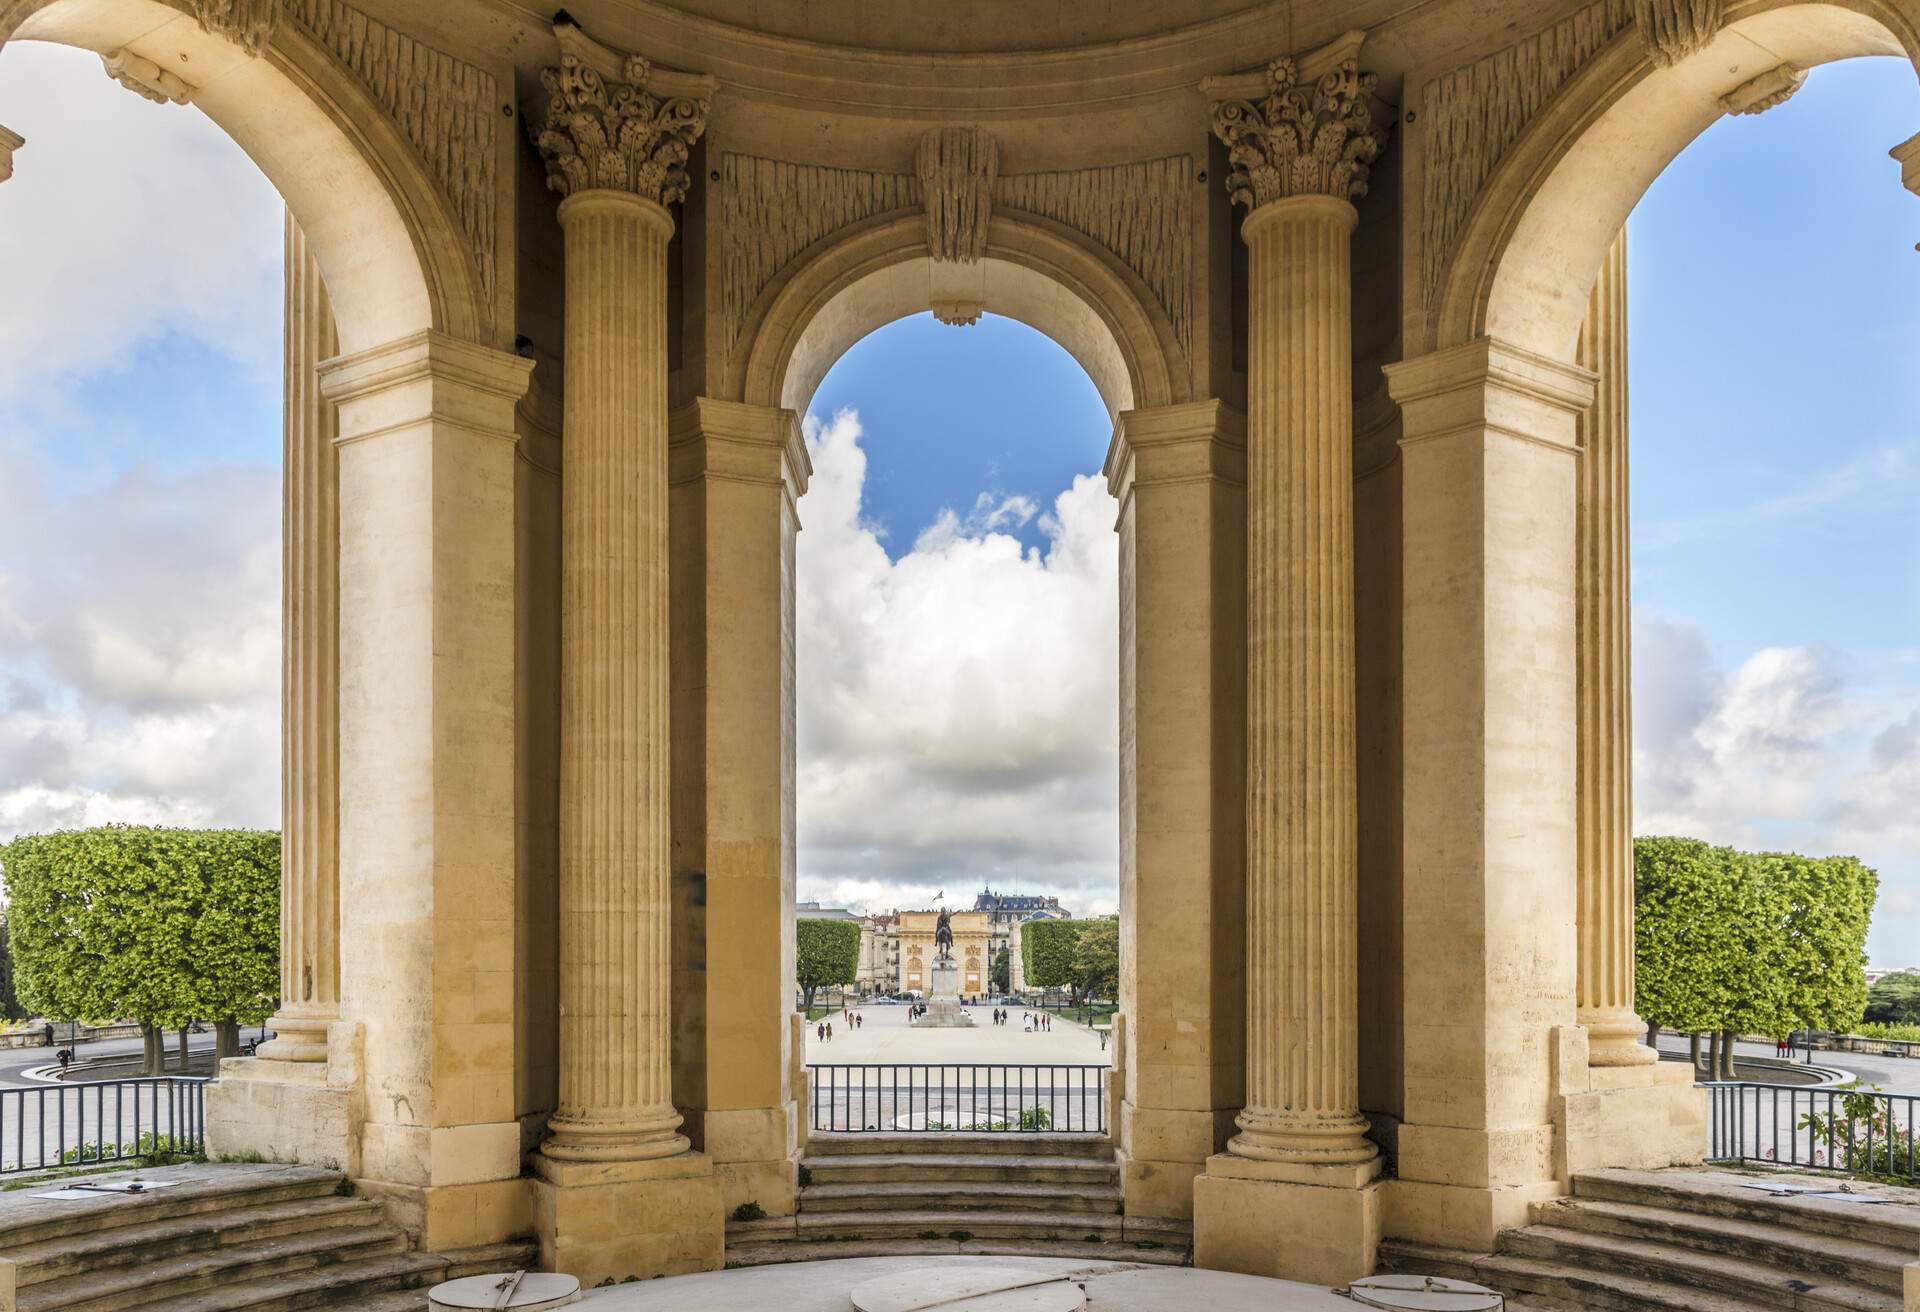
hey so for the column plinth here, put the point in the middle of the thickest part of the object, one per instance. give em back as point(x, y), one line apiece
point(1603, 629)
point(1295, 1194)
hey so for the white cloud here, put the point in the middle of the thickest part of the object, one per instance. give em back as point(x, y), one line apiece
point(957, 707)
point(124, 220)
point(1786, 751)
point(139, 648)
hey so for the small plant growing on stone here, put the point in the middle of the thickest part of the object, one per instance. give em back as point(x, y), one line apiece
point(806, 1176)
point(1036, 1118)
point(960, 1236)
point(929, 1234)
point(749, 1211)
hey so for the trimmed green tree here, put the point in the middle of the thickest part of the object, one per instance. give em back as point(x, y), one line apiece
point(161, 926)
point(1818, 951)
point(1894, 999)
point(1096, 959)
point(826, 952)
point(10, 1007)
point(1002, 971)
point(1047, 951)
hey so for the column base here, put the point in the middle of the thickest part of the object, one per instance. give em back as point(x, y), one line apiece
point(756, 1155)
point(305, 1112)
point(612, 1222)
point(1640, 1117)
point(1912, 1303)
point(1317, 1224)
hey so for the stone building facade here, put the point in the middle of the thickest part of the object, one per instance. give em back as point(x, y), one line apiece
point(972, 948)
point(1349, 278)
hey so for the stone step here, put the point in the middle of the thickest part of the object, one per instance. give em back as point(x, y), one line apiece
point(1553, 1286)
point(51, 1259)
point(1010, 1143)
point(398, 1283)
point(116, 1288)
point(1722, 1193)
point(769, 1253)
point(344, 1285)
point(33, 1221)
point(883, 1168)
point(936, 1195)
point(1747, 1279)
point(1779, 1248)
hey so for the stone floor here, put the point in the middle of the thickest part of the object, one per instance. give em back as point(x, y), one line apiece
point(825, 1287)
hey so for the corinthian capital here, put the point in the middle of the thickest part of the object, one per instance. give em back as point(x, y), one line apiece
point(1305, 129)
point(618, 122)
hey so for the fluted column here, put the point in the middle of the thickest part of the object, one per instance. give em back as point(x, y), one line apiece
point(1302, 866)
point(310, 676)
point(1603, 629)
point(615, 138)
point(1293, 1194)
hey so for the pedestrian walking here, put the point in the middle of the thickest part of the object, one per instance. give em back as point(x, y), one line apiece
point(829, 1031)
point(820, 1031)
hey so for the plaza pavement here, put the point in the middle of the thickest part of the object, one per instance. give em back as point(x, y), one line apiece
point(887, 1038)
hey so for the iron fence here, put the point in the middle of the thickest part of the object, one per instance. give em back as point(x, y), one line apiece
point(1852, 1131)
point(947, 1096)
point(101, 1121)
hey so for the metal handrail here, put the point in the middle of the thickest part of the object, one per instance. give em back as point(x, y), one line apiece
point(83, 1122)
point(1850, 1131)
point(937, 1097)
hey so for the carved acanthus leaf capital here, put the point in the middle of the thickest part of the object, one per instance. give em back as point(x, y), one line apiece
point(1312, 132)
point(617, 122)
point(957, 168)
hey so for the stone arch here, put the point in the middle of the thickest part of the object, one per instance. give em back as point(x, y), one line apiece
point(1540, 229)
point(393, 257)
point(1034, 270)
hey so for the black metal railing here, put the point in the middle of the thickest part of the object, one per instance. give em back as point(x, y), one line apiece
point(956, 1096)
point(101, 1121)
point(1852, 1131)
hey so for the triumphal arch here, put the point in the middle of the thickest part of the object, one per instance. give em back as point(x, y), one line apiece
point(1350, 279)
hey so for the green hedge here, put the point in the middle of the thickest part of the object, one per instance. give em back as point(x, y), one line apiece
point(826, 952)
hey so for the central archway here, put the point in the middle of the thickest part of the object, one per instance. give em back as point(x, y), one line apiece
point(1033, 270)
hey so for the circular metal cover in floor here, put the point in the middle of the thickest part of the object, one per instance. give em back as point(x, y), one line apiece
point(978, 1289)
point(1424, 1294)
point(520, 1291)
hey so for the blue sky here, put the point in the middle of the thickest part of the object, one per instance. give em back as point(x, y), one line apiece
point(957, 572)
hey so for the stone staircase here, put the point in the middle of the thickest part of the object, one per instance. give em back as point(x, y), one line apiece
point(1692, 1241)
point(225, 1238)
point(877, 1195)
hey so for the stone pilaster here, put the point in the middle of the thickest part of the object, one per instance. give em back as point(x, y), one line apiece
point(291, 1103)
point(10, 141)
point(1489, 467)
point(623, 1194)
point(1603, 630)
point(737, 472)
point(310, 676)
point(1179, 474)
point(1615, 1103)
point(1293, 1194)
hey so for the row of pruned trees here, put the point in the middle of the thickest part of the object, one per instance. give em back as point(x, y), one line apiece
point(160, 926)
point(1082, 956)
point(1730, 942)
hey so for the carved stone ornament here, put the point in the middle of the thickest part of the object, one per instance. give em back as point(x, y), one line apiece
point(248, 24)
point(1674, 29)
point(145, 78)
point(618, 123)
point(1758, 95)
point(1308, 135)
point(957, 168)
point(9, 142)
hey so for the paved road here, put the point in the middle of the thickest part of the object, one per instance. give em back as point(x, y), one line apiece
point(1891, 1074)
point(15, 1062)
